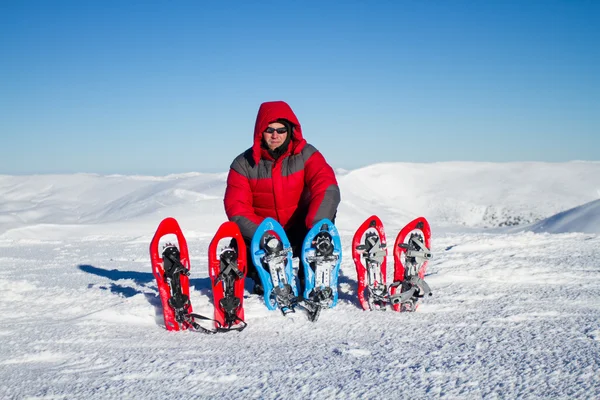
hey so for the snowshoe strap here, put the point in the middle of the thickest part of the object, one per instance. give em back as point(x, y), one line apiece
point(319, 259)
point(276, 256)
point(313, 309)
point(318, 300)
point(324, 249)
point(285, 298)
point(403, 296)
point(190, 320)
point(374, 251)
point(378, 296)
point(321, 297)
point(412, 289)
point(323, 244)
point(173, 268)
point(229, 266)
point(418, 251)
point(240, 327)
point(273, 248)
point(230, 306)
point(180, 303)
point(275, 264)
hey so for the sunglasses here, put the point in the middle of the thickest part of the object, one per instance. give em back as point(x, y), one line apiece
point(281, 131)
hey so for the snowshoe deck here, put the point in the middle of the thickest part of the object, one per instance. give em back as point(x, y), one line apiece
point(272, 256)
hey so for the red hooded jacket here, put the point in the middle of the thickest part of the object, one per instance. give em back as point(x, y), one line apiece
point(297, 189)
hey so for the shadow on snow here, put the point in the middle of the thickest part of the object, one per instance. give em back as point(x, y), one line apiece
point(145, 280)
point(347, 288)
point(141, 280)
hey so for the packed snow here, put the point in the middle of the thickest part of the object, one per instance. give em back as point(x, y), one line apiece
point(515, 310)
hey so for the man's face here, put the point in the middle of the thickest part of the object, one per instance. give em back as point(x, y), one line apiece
point(275, 135)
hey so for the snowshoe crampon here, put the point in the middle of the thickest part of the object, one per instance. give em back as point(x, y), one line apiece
point(227, 270)
point(369, 253)
point(272, 256)
point(321, 257)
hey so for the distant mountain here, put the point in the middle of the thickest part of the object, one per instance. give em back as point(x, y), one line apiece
point(468, 194)
point(452, 195)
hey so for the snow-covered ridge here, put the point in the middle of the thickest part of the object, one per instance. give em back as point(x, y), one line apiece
point(449, 194)
point(585, 218)
point(88, 199)
point(472, 194)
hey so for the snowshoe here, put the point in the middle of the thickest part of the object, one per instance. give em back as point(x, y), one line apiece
point(411, 255)
point(321, 257)
point(227, 270)
point(272, 256)
point(171, 271)
point(369, 253)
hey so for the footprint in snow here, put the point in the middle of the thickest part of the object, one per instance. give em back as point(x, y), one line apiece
point(593, 334)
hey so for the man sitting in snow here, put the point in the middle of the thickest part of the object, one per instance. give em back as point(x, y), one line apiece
point(283, 177)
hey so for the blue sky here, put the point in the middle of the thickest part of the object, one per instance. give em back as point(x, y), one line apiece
point(174, 86)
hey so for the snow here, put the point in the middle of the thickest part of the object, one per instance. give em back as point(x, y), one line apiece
point(515, 310)
point(585, 218)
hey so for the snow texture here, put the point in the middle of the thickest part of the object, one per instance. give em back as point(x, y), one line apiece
point(515, 310)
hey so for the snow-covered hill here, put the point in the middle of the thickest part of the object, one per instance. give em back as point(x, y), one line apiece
point(451, 195)
point(469, 194)
point(67, 204)
point(585, 218)
point(514, 313)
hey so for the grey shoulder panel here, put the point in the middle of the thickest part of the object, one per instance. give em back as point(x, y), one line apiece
point(308, 151)
point(242, 163)
point(292, 164)
point(296, 162)
point(263, 171)
point(245, 166)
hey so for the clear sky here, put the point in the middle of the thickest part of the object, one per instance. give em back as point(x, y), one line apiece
point(174, 86)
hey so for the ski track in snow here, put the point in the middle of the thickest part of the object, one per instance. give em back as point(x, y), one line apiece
point(512, 315)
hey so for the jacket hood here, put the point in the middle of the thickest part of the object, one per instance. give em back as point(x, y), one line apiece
point(269, 112)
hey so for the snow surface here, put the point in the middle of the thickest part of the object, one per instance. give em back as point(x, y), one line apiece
point(515, 310)
point(584, 218)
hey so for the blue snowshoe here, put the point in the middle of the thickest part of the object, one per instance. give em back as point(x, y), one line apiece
point(321, 257)
point(272, 257)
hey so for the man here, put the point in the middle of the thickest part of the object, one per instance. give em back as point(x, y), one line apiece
point(281, 176)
